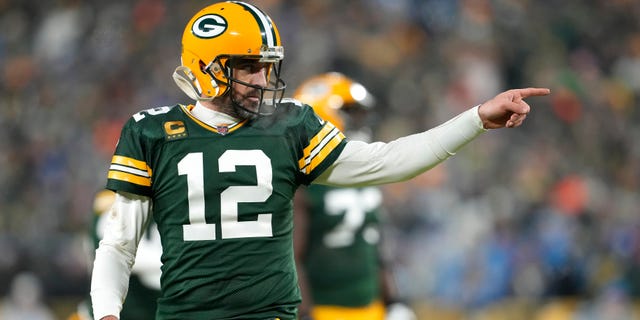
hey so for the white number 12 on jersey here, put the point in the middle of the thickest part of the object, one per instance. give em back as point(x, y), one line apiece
point(198, 229)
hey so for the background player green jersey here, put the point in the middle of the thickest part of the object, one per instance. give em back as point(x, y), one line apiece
point(218, 195)
point(342, 259)
point(342, 273)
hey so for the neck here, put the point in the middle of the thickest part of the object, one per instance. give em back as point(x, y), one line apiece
point(207, 112)
point(225, 104)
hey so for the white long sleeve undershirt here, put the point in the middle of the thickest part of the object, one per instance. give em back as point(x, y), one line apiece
point(359, 164)
point(362, 163)
point(115, 256)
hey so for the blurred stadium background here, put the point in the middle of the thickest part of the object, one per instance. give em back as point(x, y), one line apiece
point(540, 222)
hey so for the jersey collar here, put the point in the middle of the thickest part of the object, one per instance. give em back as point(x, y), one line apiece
point(212, 120)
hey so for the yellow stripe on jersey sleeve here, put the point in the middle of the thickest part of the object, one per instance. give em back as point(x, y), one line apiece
point(320, 146)
point(128, 177)
point(313, 143)
point(130, 162)
point(130, 170)
point(325, 151)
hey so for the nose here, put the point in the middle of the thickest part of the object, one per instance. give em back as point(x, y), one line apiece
point(259, 76)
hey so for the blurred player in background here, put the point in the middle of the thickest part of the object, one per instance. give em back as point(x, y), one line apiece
point(337, 233)
point(144, 284)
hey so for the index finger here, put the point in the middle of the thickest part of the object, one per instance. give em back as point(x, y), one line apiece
point(530, 92)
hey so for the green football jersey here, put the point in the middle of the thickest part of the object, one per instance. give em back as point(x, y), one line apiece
point(222, 200)
point(342, 259)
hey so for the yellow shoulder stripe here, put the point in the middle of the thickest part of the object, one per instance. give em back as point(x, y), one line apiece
point(128, 177)
point(130, 162)
point(320, 146)
point(130, 170)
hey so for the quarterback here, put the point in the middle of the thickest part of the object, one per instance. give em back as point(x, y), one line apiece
point(218, 176)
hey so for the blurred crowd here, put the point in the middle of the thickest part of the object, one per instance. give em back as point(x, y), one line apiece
point(545, 213)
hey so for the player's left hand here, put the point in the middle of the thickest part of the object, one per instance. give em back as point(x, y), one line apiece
point(400, 311)
point(508, 109)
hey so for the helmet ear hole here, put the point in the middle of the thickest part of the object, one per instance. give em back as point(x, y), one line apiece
point(188, 83)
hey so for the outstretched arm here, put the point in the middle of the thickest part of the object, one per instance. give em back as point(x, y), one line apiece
point(362, 164)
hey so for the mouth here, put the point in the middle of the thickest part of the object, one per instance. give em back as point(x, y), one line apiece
point(251, 103)
point(253, 99)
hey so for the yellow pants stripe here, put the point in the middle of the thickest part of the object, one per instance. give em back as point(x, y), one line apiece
point(373, 311)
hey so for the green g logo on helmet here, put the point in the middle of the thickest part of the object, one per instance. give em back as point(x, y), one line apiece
point(209, 26)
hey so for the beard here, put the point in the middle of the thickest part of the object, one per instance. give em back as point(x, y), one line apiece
point(240, 107)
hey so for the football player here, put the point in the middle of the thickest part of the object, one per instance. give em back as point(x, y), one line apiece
point(218, 176)
point(337, 230)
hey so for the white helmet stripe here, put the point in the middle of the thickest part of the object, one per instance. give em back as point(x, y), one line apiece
point(264, 21)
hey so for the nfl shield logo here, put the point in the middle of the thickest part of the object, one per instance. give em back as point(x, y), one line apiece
point(222, 130)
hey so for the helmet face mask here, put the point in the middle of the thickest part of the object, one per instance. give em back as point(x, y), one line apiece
point(220, 34)
point(268, 95)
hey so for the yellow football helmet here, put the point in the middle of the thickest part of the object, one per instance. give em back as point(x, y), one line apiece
point(220, 33)
point(337, 99)
point(103, 201)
